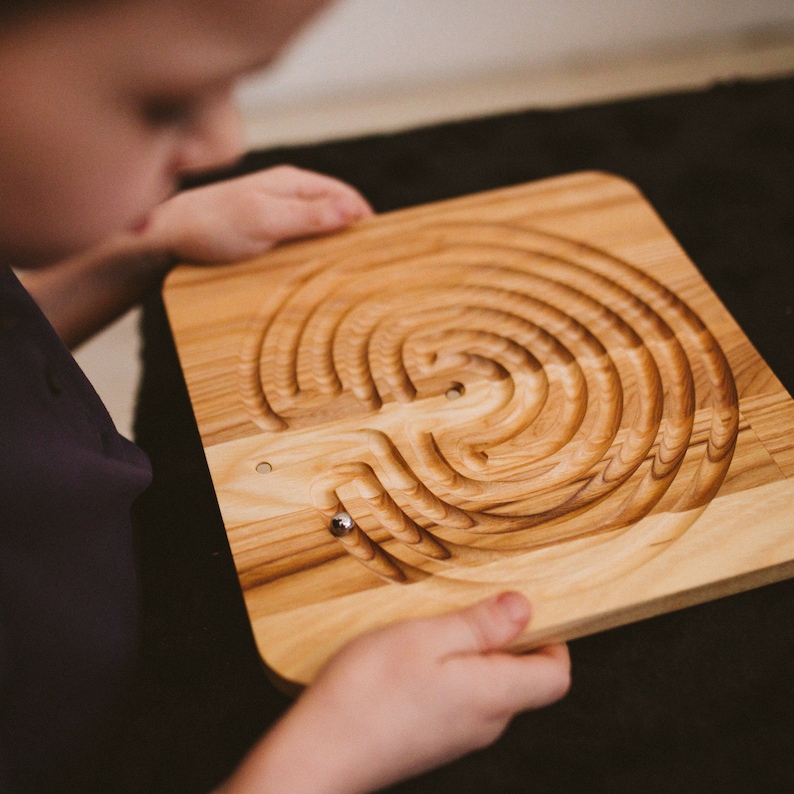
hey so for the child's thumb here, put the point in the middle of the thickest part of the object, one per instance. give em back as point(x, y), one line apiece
point(486, 626)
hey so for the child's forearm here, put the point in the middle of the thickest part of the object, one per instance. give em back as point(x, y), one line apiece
point(293, 758)
point(83, 294)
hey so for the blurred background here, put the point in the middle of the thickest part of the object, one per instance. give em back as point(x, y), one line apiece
point(368, 66)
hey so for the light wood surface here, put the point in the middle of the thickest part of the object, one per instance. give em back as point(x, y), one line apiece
point(531, 388)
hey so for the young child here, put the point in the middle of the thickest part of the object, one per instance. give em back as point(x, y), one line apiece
point(104, 106)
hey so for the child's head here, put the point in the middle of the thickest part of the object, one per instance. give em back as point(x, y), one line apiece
point(104, 103)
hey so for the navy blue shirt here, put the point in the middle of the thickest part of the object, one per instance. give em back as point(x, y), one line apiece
point(67, 578)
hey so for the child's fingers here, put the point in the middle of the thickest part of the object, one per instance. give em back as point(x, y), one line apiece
point(486, 626)
point(511, 682)
point(288, 182)
point(297, 203)
point(531, 681)
point(285, 218)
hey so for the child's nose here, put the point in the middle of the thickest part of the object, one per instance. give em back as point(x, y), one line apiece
point(213, 140)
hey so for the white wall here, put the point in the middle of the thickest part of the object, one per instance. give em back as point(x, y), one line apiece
point(366, 46)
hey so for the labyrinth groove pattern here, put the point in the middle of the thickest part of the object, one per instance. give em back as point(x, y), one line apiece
point(470, 305)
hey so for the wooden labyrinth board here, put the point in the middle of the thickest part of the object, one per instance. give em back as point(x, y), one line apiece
point(531, 389)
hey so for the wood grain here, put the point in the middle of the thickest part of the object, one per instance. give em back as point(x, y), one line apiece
point(530, 388)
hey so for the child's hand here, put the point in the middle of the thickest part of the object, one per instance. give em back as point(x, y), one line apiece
point(223, 222)
point(244, 217)
point(405, 699)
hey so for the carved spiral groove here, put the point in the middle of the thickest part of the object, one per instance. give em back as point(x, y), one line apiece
point(592, 395)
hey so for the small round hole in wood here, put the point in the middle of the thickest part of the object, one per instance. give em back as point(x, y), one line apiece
point(264, 467)
point(454, 392)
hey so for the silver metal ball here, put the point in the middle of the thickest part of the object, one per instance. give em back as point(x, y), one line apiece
point(342, 524)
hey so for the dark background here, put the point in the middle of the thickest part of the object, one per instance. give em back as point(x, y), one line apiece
point(701, 700)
